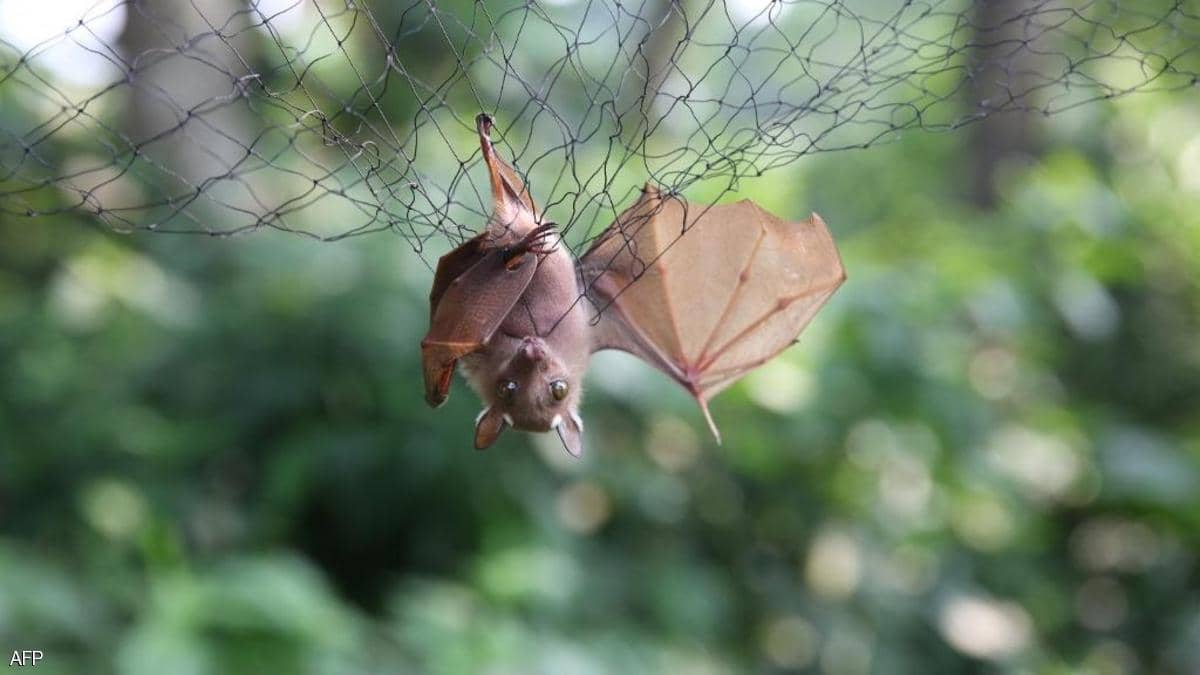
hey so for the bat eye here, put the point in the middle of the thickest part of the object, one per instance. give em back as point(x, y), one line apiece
point(506, 389)
point(558, 389)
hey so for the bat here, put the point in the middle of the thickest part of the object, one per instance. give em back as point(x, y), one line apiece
point(703, 293)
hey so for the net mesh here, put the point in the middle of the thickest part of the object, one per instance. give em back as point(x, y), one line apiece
point(335, 118)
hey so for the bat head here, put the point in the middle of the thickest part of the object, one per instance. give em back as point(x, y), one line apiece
point(534, 390)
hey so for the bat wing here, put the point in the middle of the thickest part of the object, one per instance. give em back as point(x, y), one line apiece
point(473, 291)
point(452, 266)
point(707, 293)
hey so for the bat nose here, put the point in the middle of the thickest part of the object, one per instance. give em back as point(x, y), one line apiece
point(533, 348)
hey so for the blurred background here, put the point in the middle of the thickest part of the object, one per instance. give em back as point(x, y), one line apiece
point(983, 455)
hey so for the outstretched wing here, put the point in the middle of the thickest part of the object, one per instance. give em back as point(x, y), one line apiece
point(707, 293)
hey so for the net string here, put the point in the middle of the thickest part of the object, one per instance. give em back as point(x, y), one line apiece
point(334, 119)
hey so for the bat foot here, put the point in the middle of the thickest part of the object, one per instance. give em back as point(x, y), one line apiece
point(536, 242)
point(483, 123)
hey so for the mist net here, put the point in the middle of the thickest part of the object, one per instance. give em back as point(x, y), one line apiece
point(336, 118)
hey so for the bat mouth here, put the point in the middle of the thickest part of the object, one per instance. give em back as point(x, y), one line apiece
point(534, 423)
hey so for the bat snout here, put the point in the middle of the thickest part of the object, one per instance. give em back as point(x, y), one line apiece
point(533, 349)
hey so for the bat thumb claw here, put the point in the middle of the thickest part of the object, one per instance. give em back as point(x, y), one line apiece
point(712, 425)
point(438, 374)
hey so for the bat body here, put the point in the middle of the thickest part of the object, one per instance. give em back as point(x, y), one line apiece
point(702, 293)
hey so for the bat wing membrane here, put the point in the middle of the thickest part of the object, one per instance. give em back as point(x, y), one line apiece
point(707, 293)
point(466, 309)
point(452, 266)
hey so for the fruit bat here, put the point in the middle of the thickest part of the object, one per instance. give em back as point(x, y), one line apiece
point(702, 293)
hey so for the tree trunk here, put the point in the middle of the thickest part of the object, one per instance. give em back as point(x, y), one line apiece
point(184, 112)
point(1000, 81)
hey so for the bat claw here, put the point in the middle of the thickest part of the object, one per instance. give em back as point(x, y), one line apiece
point(712, 425)
point(438, 374)
point(483, 123)
point(535, 242)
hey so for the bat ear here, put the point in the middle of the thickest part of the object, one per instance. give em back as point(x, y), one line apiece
point(570, 432)
point(488, 426)
point(508, 191)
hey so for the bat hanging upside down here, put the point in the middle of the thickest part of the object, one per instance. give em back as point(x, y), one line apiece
point(703, 293)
